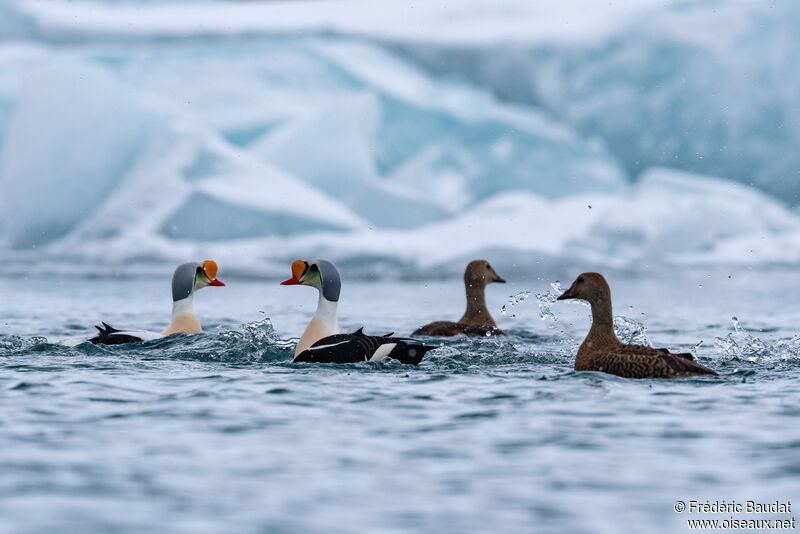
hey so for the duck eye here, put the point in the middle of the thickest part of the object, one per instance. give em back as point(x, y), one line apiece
point(580, 280)
point(488, 266)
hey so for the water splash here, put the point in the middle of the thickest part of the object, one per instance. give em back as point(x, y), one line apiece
point(631, 331)
point(252, 335)
point(544, 300)
point(788, 348)
point(13, 344)
point(513, 300)
point(741, 345)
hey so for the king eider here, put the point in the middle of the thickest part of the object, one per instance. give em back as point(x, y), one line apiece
point(187, 279)
point(323, 342)
point(603, 351)
point(476, 321)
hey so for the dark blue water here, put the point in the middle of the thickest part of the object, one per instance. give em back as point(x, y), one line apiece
point(220, 432)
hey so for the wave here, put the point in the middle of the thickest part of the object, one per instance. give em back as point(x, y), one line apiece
point(548, 356)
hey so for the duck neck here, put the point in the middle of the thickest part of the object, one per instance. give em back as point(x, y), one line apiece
point(601, 336)
point(476, 313)
point(323, 324)
point(183, 319)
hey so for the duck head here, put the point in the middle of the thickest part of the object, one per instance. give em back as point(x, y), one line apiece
point(480, 274)
point(591, 287)
point(192, 276)
point(320, 274)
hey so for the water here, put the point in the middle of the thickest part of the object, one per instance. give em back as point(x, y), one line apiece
point(221, 433)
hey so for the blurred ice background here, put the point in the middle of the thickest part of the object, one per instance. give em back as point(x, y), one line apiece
point(638, 134)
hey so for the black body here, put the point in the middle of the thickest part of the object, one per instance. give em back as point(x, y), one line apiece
point(111, 336)
point(450, 328)
point(359, 347)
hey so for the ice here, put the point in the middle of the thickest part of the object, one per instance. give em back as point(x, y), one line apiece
point(438, 21)
point(13, 23)
point(408, 140)
point(351, 120)
point(86, 168)
point(401, 149)
point(441, 138)
point(668, 218)
point(73, 133)
point(172, 204)
point(700, 86)
point(333, 150)
point(672, 214)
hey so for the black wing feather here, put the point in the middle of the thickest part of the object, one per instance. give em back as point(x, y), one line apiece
point(111, 336)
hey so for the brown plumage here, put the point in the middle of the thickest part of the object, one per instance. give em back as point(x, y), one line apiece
point(603, 351)
point(476, 321)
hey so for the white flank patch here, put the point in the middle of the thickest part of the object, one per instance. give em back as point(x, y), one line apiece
point(382, 352)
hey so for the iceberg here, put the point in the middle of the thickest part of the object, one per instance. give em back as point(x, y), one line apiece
point(351, 121)
point(702, 86)
point(667, 219)
point(14, 24)
point(169, 204)
point(72, 135)
point(681, 217)
point(629, 139)
point(366, 127)
point(705, 86)
point(87, 169)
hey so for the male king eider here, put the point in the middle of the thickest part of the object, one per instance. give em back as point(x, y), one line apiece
point(187, 279)
point(477, 321)
point(603, 351)
point(322, 341)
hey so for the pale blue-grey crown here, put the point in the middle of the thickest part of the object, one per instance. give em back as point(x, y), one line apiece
point(183, 280)
point(331, 281)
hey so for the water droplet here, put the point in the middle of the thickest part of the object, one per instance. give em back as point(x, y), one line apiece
point(513, 300)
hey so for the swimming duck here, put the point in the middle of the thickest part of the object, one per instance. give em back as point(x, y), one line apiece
point(323, 342)
point(476, 321)
point(602, 351)
point(187, 279)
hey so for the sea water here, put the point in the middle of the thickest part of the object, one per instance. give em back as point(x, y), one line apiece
point(220, 432)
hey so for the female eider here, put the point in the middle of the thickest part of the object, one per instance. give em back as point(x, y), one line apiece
point(603, 351)
point(322, 341)
point(477, 321)
point(187, 279)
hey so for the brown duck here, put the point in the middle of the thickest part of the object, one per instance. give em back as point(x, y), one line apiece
point(477, 321)
point(603, 351)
